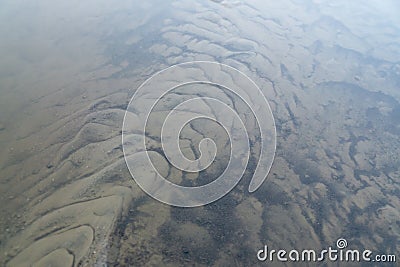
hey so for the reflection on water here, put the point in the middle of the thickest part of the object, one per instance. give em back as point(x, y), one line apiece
point(329, 70)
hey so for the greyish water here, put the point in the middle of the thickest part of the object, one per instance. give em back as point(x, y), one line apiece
point(330, 70)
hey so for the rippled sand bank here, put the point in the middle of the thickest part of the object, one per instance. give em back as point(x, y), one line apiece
point(68, 72)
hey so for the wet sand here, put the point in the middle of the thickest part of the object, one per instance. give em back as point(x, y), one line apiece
point(69, 70)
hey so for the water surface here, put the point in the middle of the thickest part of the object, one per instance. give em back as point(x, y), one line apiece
point(331, 72)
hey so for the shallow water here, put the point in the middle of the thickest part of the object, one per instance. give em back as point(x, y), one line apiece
point(330, 72)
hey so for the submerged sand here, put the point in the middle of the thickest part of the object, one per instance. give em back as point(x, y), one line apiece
point(68, 72)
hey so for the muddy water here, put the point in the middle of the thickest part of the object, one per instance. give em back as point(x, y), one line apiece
point(68, 70)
